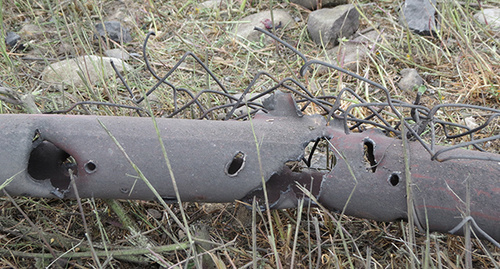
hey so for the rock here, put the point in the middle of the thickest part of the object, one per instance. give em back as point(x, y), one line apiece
point(490, 16)
point(12, 39)
point(90, 67)
point(314, 4)
point(28, 32)
point(262, 19)
point(114, 31)
point(419, 16)
point(410, 79)
point(155, 213)
point(31, 30)
point(118, 54)
point(65, 49)
point(350, 53)
point(471, 122)
point(326, 26)
point(211, 4)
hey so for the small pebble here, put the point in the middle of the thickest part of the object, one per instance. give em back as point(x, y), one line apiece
point(114, 31)
point(154, 213)
point(12, 39)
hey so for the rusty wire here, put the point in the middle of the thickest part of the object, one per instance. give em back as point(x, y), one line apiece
point(421, 124)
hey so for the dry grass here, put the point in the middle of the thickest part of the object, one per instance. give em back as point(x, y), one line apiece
point(460, 64)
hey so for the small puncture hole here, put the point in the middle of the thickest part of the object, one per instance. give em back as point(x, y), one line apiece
point(236, 164)
point(169, 199)
point(90, 167)
point(36, 136)
point(394, 179)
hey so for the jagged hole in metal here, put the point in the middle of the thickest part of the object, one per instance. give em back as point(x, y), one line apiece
point(394, 179)
point(36, 136)
point(236, 164)
point(47, 161)
point(307, 171)
point(317, 155)
point(371, 163)
point(282, 190)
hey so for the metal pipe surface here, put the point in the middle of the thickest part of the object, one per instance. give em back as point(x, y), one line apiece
point(223, 161)
point(212, 161)
point(369, 181)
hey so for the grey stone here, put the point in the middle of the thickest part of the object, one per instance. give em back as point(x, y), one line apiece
point(419, 16)
point(326, 26)
point(155, 213)
point(245, 29)
point(65, 49)
point(211, 4)
point(471, 122)
point(12, 39)
point(349, 54)
point(81, 70)
point(114, 31)
point(315, 4)
point(31, 30)
point(410, 79)
point(117, 53)
point(490, 16)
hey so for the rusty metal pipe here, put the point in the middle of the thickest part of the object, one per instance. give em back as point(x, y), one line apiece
point(369, 181)
point(217, 161)
point(213, 161)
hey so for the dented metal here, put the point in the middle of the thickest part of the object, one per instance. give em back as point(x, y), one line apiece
point(223, 161)
point(369, 181)
point(212, 161)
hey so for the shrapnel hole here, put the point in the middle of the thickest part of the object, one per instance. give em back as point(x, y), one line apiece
point(369, 157)
point(90, 167)
point(169, 199)
point(317, 155)
point(394, 179)
point(47, 161)
point(36, 136)
point(236, 164)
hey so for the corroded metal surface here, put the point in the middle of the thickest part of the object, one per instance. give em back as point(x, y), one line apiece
point(223, 161)
point(212, 161)
point(369, 181)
